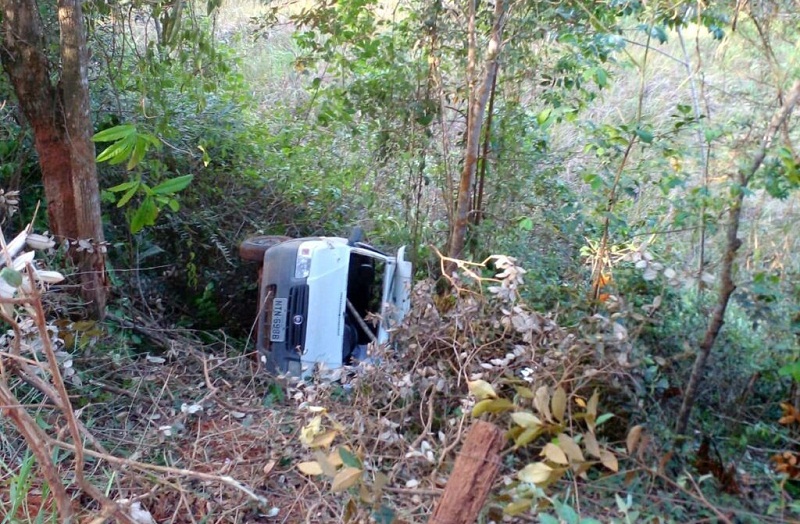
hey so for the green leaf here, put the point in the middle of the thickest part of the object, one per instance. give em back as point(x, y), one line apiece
point(492, 405)
point(173, 185)
point(124, 186)
point(11, 276)
point(349, 459)
point(526, 224)
point(138, 153)
point(145, 216)
point(603, 418)
point(173, 205)
point(127, 196)
point(543, 115)
point(115, 151)
point(645, 136)
point(600, 77)
point(112, 134)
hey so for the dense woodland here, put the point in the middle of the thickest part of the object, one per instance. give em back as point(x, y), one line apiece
point(600, 198)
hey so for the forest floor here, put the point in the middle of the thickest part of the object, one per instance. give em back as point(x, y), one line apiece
point(194, 431)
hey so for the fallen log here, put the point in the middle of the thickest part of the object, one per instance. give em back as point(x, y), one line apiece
point(474, 472)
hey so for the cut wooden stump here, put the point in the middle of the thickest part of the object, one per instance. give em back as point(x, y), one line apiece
point(473, 475)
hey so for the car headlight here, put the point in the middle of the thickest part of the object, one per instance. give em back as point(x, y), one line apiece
point(302, 265)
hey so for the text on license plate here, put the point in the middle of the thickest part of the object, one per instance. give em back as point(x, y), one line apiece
point(277, 327)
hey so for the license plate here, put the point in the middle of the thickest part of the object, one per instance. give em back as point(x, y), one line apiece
point(277, 326)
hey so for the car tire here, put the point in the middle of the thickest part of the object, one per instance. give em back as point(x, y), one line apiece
point(254, 248)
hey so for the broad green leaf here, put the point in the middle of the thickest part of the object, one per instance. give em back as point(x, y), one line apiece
point(117, 152)
point(138, 153)
point(127, 196)
point(112, 134)
point(173, 185)
point(124, 186)
point(600, 77)
point(536, 473)
point(144, 216)
point(604, 418)
point(527, 436)
point(348, 458)
point(645, 136)
point(543, 115)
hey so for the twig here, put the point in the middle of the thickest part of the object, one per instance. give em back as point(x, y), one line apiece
point(224, 479)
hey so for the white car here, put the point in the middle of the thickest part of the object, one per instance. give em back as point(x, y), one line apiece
point(323, 300)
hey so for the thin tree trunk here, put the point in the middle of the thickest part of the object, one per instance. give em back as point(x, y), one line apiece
point(487, 135)
point(78, 123)
point(477, 110)
point(726, 285)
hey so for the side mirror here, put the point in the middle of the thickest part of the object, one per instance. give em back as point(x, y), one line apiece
point(355, 236)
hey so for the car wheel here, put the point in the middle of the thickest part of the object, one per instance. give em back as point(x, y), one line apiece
point(254, 248)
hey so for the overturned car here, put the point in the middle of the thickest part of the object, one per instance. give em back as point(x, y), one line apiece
point(323, 300)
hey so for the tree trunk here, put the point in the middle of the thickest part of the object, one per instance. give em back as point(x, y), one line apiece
point(477, 110)
point(78, 123)
point(726, 285)
point(59, 117)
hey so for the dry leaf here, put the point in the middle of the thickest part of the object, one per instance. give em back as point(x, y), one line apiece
point(536, 473)
point(559, 403)
point(269, 466)
point(632, 440)
point(311, 430)
point(335, 458)
point(591, 407)
point(590, 445)
point(346, 478)
point(555, 454)
point(518, 507)
point(542, 402)
point(328, 469)
point(481, 389)
point(570, 447)
point(310, 468)
point(324, 440)
point(609, 460)
point(526, 419)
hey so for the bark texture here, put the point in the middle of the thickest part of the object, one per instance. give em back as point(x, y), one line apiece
point(472, 478)
point(726, 284)
point(58, 113)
